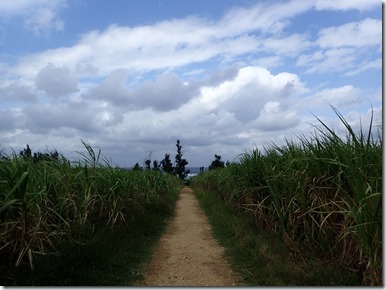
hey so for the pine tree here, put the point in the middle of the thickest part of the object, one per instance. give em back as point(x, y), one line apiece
point(155, 165)
point(216, 163)
point(147, 164)
point(180, 163)
point(137, 167)
point(167, 165)
point(26, 153)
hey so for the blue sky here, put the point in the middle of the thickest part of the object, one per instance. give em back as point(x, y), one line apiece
point(223, 76)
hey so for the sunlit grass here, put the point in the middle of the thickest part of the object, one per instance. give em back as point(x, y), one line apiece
point(324, 191)
point(44, 203)
point(261, 258)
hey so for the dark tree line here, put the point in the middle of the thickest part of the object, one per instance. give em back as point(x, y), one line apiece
point(217, 162)
point(179, 169)
point(166, 164)
point(38, 156)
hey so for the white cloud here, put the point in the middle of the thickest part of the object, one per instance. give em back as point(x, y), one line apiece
point(215, 110)
point(361, 121)
point(340, 97)
point(174, 43)
point(268, 62)
point(46, 118)
point(10, 121)
point(56, 81)
point(40, 16)
point(242, 100)
point(253, 87)
point(43, 21)
point(332, 60)
point(288, 46)
point(345, 48)
point(17, 91)
point(269, 18)
point(113, 88)
point(273, 118)
point(366, 65)
point(346, 4)
point(367, 32)
point(138, 89)
point(167, 92)
point(20, 6)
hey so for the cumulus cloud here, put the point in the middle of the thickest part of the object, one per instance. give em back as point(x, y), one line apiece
point(56, 81)
point(113, 88)
point(17, 91)
point(10, 121)
point(250, 90)
point(219, 76)
point(46, 118)
point(273, 118)
point(213, 112)
point(238, 108)
point(167, 92)
point(135, 90)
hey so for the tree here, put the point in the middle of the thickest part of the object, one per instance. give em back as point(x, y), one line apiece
point(166, 164)
point(155, 165)
point(147, 164)
point(180, 163)
point(26, 153)
point(216, 163)
point(38, 156)
point(137, 167)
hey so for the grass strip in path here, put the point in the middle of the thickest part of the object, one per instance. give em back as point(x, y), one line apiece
point(262, 258)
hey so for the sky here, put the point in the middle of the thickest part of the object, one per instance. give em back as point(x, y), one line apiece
point(221, 76)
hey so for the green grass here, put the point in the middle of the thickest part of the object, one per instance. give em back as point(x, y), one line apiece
point(109, 257)
point(261, 258)
point(323, 192)
point(78, 223)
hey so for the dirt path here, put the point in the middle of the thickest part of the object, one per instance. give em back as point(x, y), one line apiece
point(187, 254)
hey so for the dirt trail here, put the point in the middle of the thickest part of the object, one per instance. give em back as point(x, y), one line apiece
point(187, 254)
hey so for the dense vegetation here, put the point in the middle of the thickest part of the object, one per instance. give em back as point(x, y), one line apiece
point(261, 258)
point(48, 204)
point(323, 192)
point(89, 223)
point(166, 164)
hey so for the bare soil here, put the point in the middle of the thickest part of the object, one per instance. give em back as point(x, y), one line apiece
point(187, 254)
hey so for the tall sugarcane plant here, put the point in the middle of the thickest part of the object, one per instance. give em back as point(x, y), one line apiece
point(44, 201)
point(324, 191)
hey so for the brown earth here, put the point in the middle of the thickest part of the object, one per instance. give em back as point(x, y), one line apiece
point(187, 254)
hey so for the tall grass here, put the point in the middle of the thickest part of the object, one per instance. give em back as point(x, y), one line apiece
point(50, 201)
point(323, 191)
